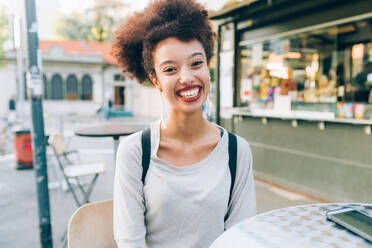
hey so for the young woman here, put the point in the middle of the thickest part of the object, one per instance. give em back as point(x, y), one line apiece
point(184, 199)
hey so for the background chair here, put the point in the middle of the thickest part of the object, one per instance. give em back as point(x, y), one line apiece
point(74, 173)
point(92, 226)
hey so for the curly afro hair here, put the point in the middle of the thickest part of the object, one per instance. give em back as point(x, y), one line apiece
point(137, 38)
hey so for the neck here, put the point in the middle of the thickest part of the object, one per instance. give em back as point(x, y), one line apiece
point(185, 127)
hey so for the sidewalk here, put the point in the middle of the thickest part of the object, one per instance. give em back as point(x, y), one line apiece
point(18, 201)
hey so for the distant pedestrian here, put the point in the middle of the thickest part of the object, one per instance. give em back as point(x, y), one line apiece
point(187, 197)
point(12, 114)
point(109, 104)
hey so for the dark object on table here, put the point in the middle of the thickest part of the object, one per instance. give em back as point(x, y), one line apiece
point(353, 220)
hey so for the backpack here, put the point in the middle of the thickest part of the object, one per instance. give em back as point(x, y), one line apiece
point(146, 152)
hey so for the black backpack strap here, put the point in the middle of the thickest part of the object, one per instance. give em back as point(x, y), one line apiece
point(146, 151)
point(233, 152)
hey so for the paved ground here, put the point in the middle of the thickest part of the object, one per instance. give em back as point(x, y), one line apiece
point(18, 201)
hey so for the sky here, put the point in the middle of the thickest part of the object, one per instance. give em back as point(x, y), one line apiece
point(48, 10)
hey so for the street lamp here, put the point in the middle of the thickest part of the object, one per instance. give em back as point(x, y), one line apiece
point(34, 81)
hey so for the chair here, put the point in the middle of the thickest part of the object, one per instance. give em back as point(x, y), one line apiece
point(74, 173)
point(92, 226)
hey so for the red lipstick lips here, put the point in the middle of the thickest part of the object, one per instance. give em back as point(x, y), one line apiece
point(189, 99)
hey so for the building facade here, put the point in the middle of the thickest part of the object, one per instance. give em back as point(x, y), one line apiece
point(78, 77)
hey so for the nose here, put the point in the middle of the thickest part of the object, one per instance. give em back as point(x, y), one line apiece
point(186, 76)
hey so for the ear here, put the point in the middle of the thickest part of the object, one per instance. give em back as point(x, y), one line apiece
point(155, 82)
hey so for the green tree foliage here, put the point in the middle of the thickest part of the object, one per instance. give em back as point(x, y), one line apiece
point(95, 24)
point(72, 27)
point(4, 30)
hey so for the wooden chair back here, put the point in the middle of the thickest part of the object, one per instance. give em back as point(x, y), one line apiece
point(58, 144)
point(92, 226)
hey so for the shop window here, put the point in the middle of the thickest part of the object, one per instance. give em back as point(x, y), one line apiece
point(56, 87)
point(45, 86)
point(71, 88)
point(87, 88)
point(317, 68)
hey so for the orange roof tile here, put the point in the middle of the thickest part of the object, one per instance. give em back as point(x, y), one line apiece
point(104, 48)
point(80, 47)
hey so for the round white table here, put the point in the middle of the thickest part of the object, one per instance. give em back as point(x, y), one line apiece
point(300, 227)
point(111, 130)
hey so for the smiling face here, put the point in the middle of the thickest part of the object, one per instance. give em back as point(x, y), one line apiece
point(182, 73)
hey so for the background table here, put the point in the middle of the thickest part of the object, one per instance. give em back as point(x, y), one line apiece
point(113, 130)
point(300, 226)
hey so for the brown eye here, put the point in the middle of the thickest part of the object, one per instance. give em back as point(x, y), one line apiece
point(196, 63)
point(169, 69)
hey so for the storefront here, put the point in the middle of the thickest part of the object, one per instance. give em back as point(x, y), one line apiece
point(295, 79)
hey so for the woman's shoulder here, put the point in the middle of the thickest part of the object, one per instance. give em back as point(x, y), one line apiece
point(244, 156)
point(243, 146)
point(130, 144)
point(241, 142)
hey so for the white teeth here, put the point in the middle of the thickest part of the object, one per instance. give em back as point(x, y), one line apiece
point(189, 93)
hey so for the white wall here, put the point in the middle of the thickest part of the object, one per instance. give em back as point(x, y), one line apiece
point(86, 108)
point(8, 86)
point(108, 77)
point(147, 101)
point(65, 107)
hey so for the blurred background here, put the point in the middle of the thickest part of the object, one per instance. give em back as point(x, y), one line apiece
point(294, 78)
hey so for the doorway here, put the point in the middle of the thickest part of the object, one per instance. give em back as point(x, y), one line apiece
point(119, 95)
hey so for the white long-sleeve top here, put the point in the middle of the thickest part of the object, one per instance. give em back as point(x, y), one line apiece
point(179, 207)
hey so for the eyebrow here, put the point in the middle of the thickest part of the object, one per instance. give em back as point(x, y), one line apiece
point(172, 62)
point(196, 54)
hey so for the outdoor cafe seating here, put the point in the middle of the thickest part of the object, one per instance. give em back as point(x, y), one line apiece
point(76, 173)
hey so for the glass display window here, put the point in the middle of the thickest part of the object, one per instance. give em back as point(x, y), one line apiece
point(326, 65)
